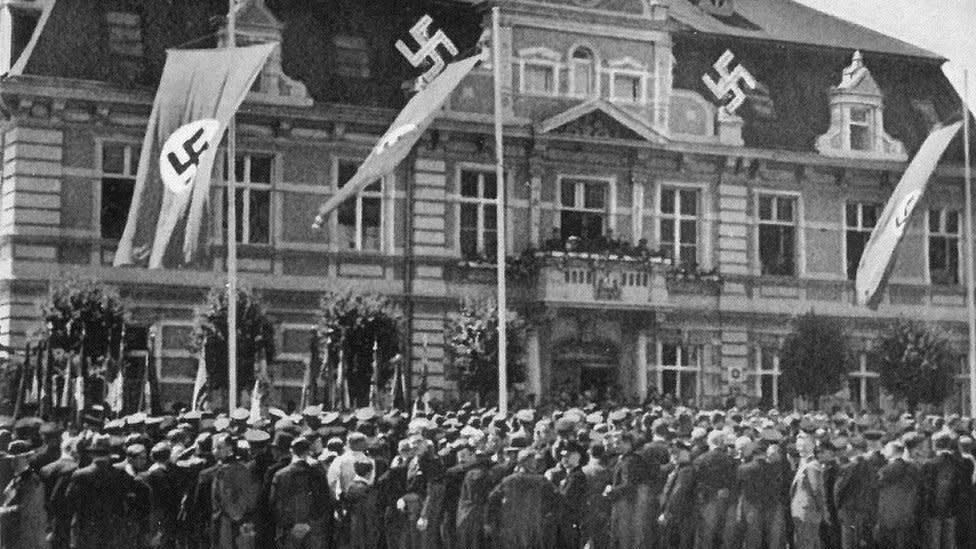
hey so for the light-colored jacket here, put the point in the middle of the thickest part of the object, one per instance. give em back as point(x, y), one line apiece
point(808, 499)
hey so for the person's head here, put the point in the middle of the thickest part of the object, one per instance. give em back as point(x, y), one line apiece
point(526, 460)
point(894, 450)
point(625, 442)
point(357, 441)
point(942, 443)
point(335, 445)
point(597, 452)
point(571, 456)
point(465, 455)
point(967, 445)
point(223, 446)
point(69, 447)
point(774, 453)
point(716, 440)
point(161, 452)
point(20, 451)
point(363, 468)
point(300, 447)
point(135, 456)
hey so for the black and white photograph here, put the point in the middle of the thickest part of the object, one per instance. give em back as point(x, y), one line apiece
point(487, 274)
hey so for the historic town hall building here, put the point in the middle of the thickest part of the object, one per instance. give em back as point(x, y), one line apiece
point(672, 239)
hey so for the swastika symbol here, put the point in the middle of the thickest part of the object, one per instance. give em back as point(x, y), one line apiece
point(729, 82)
point(192, 153)
point(427, 48)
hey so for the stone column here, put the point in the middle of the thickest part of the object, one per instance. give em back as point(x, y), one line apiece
point(534, 365)
point(640, 361)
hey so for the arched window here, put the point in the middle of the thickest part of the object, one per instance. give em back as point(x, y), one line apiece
point(584, 79)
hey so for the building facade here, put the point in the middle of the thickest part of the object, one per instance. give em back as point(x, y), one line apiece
point(666, 241)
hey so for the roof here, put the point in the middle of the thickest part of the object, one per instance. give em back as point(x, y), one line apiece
point(789, 21)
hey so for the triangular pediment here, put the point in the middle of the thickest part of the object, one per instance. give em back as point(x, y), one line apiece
point(600, 119)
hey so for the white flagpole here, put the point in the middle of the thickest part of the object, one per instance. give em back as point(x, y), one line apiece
point(231, 231)
point(970, 304)
point(496, 63)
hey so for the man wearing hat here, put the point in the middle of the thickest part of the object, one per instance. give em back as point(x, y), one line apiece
point(942, 486)
point(167, 492)
point(595, 527)
point(235, 493)
point(301, 501)
point(516, 507)
point(55, 477)
point(572, 489)
point(96, 498)
point(856, 495)
point(899, 492)
point(714, 473)
point(22, 518)
point(676, 521)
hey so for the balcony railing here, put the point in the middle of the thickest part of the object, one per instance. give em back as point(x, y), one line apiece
point(581, 278)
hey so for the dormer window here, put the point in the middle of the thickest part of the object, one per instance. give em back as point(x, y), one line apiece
point(538, 68)
point(628, 81)
point(856, 118)
point(351, 56)
point(583, 70)
point(18, 21)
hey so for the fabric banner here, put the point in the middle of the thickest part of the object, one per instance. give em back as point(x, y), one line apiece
point(405, 131)
point(879, 253)
point(197, 86)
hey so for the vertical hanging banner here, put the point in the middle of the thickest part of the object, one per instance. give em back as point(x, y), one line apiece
point(200, 90)
point(396, 143)
point(879, 253)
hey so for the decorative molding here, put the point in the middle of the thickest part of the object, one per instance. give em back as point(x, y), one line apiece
point(580, 121)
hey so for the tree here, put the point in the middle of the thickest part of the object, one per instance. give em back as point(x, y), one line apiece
point(84, 318)
point(814, 358)
point(472, 336)
point(255, 333)
point(353, 322)
point(916, 363)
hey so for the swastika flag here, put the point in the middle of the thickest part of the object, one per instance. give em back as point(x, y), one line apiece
point(401, 136)
point(879, 253)
point(200, 90)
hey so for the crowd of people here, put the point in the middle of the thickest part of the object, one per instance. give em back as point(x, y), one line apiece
point(622, 478)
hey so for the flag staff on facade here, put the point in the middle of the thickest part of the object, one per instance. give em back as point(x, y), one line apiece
point(496, 66)
point(232, 230)
point(970, 293)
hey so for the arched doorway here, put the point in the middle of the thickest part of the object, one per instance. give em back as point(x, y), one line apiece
point(580, 366)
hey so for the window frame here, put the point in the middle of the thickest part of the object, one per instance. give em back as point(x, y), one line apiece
point(858, 229)
point(243, 219)
point(677, 217)
point(593, 68)
point(366, 69)
point(758, 372)
point(862, 375)
point(386, 183)
point(480, 201)
point(659, 367)
point(610, 209)
point(628, 67)
point(540, 58)
point(929, 235)
point(868, 124)
point(130, 161)
point(799, 259)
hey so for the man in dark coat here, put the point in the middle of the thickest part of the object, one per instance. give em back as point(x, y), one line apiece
point(166, 488)
point(198, 508)
point(471, 504)
point(627, 495)
point(391, 487)
point(656, 455)
point(596, 519)
point(516, 507)
point(98, 497)
point(676, 521)
point(572, 489)
point(22, 521)
point(856, 496)
point(51, 449)
point(265, 530)
point(714, 474)
point(966, 517)
point(761, 509)
point(899, 490)
point(55, 477)
point(941, 494)
point(301, 501)
point(453, 480)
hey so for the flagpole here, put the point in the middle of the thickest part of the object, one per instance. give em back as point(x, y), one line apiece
point(970, 293)
point(496, 63)
point(231, 231)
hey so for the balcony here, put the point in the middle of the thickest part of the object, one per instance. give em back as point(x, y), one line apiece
point(583, 278)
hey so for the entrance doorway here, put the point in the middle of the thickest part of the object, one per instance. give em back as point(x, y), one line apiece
point(580, 367)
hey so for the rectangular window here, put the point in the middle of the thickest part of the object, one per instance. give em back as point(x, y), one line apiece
point(859, 221)
point(864, 383)
point(252, 197)
point(360, 219)
point(539, 78)
point(583, 78)
point(627, 87)
point(777, 235)
point(860, 128)
point(583, 209)
point(766, 376)
point(679, 370)
point(679, 225)
point(119, 164)
point(944, 233)
point(351, 56)
point(478, 234)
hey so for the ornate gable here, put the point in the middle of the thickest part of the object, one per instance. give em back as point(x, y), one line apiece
point(599, 119)
point(255, 25)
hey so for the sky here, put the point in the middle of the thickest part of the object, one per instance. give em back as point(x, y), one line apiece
point(944, 27)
